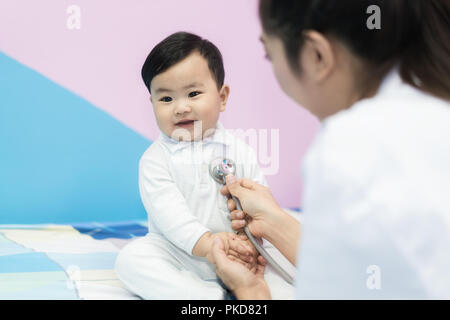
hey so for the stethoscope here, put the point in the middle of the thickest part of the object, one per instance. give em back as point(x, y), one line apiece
point(219, 168)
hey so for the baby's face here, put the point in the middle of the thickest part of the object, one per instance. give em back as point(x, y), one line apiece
point(188, 92)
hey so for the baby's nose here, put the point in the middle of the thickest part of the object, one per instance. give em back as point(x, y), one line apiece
point(182, 107)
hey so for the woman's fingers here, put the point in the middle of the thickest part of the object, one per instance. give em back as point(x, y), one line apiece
point(247, 183)
point(238, 224)
point(245, 264)
point(237, 215)
point(224, 191)
point(234, 186)
point(231, 204)
point(261, 260)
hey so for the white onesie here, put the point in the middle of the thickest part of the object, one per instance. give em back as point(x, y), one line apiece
point(183, 202)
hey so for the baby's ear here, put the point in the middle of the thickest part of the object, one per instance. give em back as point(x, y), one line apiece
point(224, 93)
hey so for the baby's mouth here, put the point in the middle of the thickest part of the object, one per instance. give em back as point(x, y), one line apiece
point(186, 123)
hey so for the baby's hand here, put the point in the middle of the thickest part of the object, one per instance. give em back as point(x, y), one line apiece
point(237, 247)
point(255, 257)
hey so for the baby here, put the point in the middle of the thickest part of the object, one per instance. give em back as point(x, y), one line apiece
point(186, 211)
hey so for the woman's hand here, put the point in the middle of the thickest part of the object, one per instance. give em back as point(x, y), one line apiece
point(244, 283)
point(256, 201)
point(265, 217)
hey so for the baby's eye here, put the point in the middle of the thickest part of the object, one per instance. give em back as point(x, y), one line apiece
point(194, 93)
point(165, 99)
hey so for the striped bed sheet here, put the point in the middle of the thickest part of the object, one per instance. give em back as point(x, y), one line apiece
point(67, 261)
point(62, 261)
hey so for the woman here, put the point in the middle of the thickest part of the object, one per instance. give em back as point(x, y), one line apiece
point(377, 177)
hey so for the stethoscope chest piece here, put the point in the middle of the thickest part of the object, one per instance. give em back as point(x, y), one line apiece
point(219, 168)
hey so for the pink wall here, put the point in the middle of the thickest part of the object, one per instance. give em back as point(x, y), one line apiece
point(101, 62)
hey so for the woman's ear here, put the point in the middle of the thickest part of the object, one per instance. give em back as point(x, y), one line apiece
point(317, 56)
point(224, 93)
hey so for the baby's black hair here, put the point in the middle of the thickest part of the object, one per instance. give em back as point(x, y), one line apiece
point(175, 48)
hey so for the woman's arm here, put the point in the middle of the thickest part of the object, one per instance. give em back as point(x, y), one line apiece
point(284, 233)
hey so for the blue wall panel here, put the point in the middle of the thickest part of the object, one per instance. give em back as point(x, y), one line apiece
point(62, 159)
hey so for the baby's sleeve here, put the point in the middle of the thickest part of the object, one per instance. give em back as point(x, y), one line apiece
point(166, 207)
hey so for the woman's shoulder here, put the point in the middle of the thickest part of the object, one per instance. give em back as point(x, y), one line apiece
point(399, 127)
point(397, 115)
point(396, 105)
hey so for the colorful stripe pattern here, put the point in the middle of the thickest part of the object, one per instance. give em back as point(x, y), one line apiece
point(45, 261)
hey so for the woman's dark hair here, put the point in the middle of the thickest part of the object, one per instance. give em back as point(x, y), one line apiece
point(413, 33)
point(175, 48)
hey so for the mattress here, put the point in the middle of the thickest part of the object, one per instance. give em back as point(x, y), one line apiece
point(64, 261)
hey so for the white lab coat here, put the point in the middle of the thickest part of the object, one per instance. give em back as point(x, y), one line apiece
point(183, 202)
point(376, 222)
